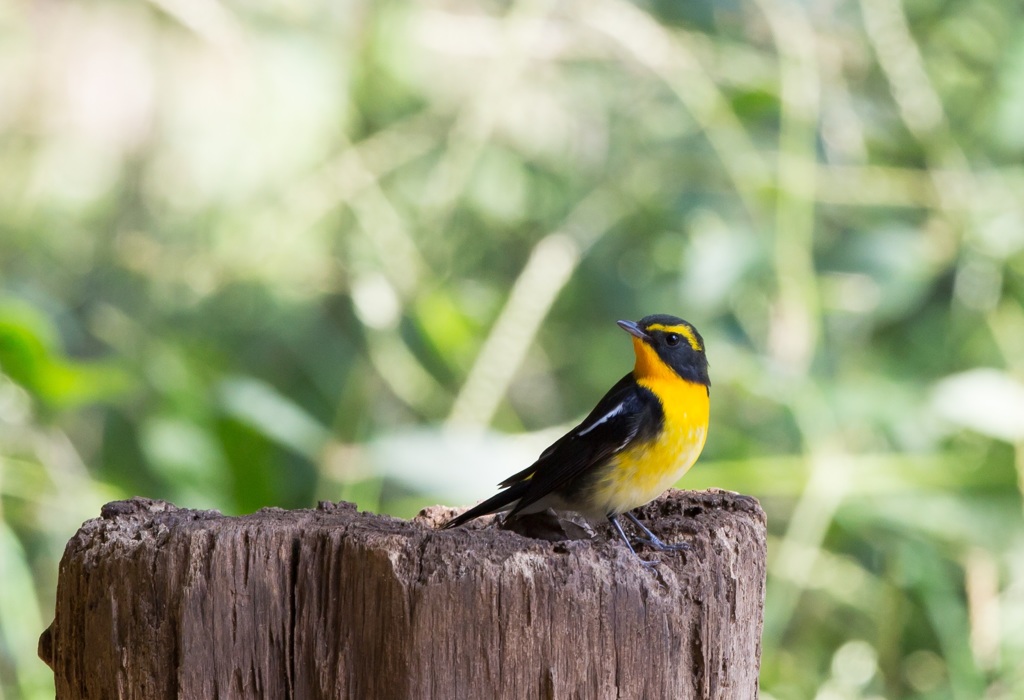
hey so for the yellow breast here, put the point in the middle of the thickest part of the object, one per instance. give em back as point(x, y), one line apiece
point(644, 471)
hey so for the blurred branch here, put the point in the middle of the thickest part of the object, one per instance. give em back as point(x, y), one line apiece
point(843, 137)
point(404, 374)
point(981, 582)
point(798, 551)
point(796, 324)
point(477, 118)
point(353, 178)
point(1006, 323)
point(548, 269)
point(841, 577)
point(212, 21)
point(919, 103)
point(654, 47)
point(796, 318)
point(382, 224)
point(878, 474)
point(879, 185)
point(901, 61)
point(356, 167)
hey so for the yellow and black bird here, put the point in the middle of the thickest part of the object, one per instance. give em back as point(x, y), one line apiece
point(645, 433)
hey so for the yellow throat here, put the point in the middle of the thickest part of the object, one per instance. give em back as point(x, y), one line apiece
point(644, 471)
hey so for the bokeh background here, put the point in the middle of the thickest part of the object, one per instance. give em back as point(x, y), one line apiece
point(268, 253)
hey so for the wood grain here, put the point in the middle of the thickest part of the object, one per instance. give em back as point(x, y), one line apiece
point(159, 602)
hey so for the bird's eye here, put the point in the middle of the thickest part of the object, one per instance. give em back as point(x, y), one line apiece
point(672, 339)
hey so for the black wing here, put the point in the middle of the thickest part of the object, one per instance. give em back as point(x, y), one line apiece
point(626, 413)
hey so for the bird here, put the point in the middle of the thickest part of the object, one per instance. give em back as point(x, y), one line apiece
point(639, 440)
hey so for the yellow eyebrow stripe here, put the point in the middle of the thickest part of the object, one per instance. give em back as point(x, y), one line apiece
point(684, 331)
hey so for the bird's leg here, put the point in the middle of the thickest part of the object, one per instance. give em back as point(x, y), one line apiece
point(652, 539)
point(614, 520)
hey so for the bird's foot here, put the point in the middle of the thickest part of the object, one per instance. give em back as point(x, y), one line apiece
point(649, 564)
point(652, 540)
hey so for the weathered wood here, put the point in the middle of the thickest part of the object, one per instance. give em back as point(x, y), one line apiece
point(159, 602)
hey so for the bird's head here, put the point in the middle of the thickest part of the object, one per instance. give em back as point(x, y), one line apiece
point(666, 346)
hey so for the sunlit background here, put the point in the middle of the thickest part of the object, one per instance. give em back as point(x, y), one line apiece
point(270, 253)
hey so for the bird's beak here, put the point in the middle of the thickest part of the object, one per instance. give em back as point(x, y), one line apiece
point(633, 329)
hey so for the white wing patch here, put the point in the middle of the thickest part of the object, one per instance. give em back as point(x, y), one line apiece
point(625, 442)
point(603, 419)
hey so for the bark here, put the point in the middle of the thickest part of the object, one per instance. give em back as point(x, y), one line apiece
point(154, 601)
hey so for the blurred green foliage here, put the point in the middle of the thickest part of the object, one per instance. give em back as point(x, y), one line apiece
point(262, 254)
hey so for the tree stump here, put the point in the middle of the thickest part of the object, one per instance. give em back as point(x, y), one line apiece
point(154, 601)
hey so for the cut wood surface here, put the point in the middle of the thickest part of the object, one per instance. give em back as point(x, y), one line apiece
point(156, 601)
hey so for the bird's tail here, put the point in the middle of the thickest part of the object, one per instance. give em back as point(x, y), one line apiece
point(499, 501)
